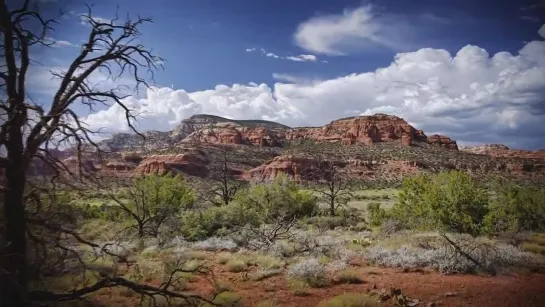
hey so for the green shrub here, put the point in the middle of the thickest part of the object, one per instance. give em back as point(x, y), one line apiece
point(534, 248)
point(264, 274)
point(298, 287)
point(201, 224)
point(377, 215)
point(280, 199)
point(199, 255)
point(268, 262)
point(327, 222)
point(361, 226)
point(236, 265)
point(228, 299)
point(450, 201)
point(268, 303)
point(223, 258)
point(152, 200)
point(351, 300)
point(255, 206)
point(516, 209)
point(348, 277)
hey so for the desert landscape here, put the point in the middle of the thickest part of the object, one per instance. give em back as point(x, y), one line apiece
point(268, 215)
point(317, 187)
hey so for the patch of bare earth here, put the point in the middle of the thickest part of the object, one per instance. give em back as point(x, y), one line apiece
point(444, 290)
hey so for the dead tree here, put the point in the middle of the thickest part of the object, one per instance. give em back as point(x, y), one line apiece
point(332, 181)
point(29, 131)
point(225, 187)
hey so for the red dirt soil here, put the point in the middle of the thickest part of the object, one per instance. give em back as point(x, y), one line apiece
point(444, 290)
point(513, 289)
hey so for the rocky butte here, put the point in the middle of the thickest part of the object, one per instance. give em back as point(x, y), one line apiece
point(192, 145)
point(369, 130)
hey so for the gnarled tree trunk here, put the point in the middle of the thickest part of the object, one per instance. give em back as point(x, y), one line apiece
point(13, 276)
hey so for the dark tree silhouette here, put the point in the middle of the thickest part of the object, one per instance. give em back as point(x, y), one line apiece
point(29, 132)
point(225, 187)
point(334, 185)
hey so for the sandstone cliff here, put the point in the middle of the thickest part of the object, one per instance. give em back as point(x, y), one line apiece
point(235, 134)
point(369, 130)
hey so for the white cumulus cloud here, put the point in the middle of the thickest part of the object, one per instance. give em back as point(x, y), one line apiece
point(302, 58)
point(59, 43)
point(296, 58)
point(359, 28)
point(472, 96)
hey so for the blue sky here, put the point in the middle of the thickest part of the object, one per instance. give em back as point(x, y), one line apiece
point(204, 41)
point(452, 67)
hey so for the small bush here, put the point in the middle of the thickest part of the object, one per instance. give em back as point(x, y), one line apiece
point(448, 260)
point(323, 259)
point(223, 287)
point(361, 226)
point(377, 215)
point(191, 265)
point(516, 209)
point(450, 201)
point(215, 244)
point(282, 249)
point(328, 222)
point(264, 274)
point(538, 239)
point(268, 262)
point(348, 277)
point(298, 287)
point(228, 299)
point(268, 303)
point(336, 266)
point(223, 258)
point(534, 248)
point(202, 224)
point(236, 265)
point(281, 199)
point(351, 300)
point(196, 255)
point(311, 271)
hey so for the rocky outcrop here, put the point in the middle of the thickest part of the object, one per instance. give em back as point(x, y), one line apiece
point(202, 128)
point(301, 168)
point(500, 150)
point(260, 132)
point(443, 141)
point(191, 163)
point(369, 130)
point(297, 168)
point(132, 157)
point(234, 134)
point(149, 140)
point(120, 166)
point(203, 121)
point(364, 129)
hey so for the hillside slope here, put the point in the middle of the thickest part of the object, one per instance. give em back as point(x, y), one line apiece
point(378, 147)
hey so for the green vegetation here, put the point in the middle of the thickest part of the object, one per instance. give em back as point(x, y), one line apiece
point(348, 277)
point(150, 201)
point(351, 300)
point(453, 201)
point(287, 232)
point(260, 204)
point(298, 287)
point(236, 265)
point(268, 303)
point(228, 299)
